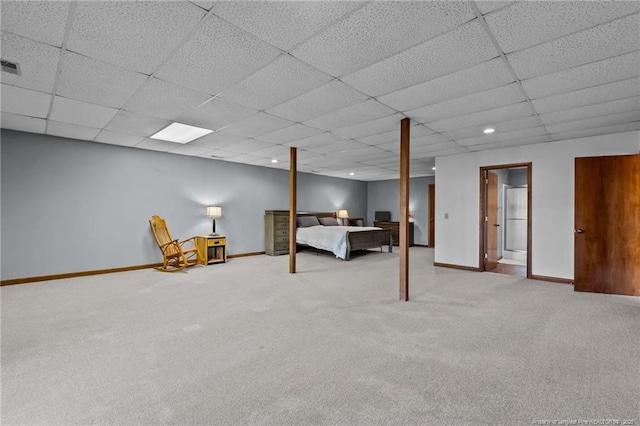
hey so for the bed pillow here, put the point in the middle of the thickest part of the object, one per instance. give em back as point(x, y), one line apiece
point(329, 221)
point(307, 221)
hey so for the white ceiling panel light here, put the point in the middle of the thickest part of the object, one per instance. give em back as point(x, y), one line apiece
point(180, 133)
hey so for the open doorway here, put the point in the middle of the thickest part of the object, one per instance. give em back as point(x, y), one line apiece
point(505, 219)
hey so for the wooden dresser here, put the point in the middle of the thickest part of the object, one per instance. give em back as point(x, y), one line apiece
point(395, 230)
point(276, 232)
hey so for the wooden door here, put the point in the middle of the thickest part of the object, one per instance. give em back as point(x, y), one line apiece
point(432, 215)
point(491, 222)
point(607, 225)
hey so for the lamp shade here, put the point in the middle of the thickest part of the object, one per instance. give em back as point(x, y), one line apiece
point(214, 211)
point(343, 214)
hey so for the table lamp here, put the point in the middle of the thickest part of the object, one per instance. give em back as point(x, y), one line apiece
point(214, 212)
point(343, 215)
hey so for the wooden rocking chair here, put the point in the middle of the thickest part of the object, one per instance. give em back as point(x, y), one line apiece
point(175, 255)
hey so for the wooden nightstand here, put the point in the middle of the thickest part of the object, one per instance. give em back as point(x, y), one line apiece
point(211, 249)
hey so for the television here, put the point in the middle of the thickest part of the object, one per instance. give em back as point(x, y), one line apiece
point(383, 216)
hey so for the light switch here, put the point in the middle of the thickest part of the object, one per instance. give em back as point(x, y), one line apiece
point(446, 215)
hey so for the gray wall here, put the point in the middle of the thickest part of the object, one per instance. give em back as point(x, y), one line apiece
point(69, 205)
point(385, 195)
point(517, 177)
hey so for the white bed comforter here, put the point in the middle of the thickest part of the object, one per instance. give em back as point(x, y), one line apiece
point(330, 238)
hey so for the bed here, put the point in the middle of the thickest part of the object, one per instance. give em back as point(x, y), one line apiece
point(326, 234)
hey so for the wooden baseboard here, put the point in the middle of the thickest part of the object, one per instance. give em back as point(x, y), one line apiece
point(76, 274)
point(449, 265)
point(254, 253)
point(100, 271)
point(552, 279)
point(420, 245)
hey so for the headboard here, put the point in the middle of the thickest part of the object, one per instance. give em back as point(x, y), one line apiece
point(317, 214)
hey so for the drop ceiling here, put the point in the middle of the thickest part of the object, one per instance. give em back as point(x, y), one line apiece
point(332, 78)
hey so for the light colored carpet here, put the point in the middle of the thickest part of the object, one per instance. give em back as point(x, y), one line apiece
point(247, 343)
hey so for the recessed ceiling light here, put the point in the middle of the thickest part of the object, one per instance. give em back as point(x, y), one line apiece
point(351, 174)
point(274, 161)
point(433, 168)
point(488, 130)
point(180, 133)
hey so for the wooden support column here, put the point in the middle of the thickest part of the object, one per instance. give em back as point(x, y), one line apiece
point(293, 200)
point(404, 209)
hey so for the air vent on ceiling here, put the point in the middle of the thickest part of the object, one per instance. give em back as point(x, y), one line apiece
point(10, 67)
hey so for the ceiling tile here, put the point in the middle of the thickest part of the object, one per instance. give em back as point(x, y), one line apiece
point(115, 138)
point(38, 63)
point(378, 30)
point(359, 113)
point(436, 147)
point(136, 124)
point(388, 162)
point(326, 98)
point(504, 126)
point(290, 134)
point(216, 113)
point(218, 140)
point(373, 154)
point(72, 131)
point(591, 95)
point(322, 139)
point(475, 79)
point(451, 151)
point(157, 145)
point(592, 111)
point(427, 140)
point(275, 151)
point(23, 123)
point(456, 50)
point(257, 125)
point(217, 154)
point(602, 121)
point(337, 148)
point(135, 35)
point(360, 153)
point(78, 78)
point(487, 6)
point(20, 101)
point(81, 113)
point(332, 162)
point(596, 131)
point(373, 127)
point(206, 5)
point(606, 71)
point(281, 80)
point(283, 23)
point(160, 99)
point(43, 21)
point(503, 136)
point(614, 38)
point(493, 98)
point(483, 118)
point(190, 149)
point(243, 158)
point(527, 23)
point(511, 143)
point(381, 138)
point(216, 56)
